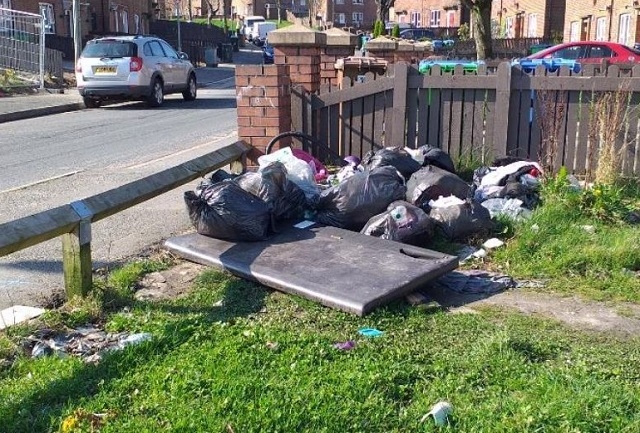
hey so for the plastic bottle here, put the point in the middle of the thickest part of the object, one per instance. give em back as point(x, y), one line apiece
point(399, 215)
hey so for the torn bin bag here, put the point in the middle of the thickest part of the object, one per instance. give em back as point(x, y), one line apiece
point(431, 182)
point(226, 211)
point(351, 203)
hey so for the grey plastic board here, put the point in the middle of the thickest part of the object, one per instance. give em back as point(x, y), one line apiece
point(338, 268)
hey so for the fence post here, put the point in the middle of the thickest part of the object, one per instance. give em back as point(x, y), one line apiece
point(503, 97)
point(399, 105)
point(76, 254)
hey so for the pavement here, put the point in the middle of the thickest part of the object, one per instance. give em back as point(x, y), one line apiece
point(55, 101)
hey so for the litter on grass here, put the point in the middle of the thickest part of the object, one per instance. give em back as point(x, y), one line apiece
point(440, 413)
point(370, 332)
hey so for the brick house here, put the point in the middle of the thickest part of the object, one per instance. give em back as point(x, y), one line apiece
point(430, 13)
point(96, 16)
point(357, 14)
point(603, 20)
point(528, 18)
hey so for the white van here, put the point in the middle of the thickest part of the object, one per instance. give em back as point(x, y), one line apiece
point(247, 24)
point(261, 29)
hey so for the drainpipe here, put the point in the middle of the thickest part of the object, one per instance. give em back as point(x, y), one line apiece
point(610, 20)
point(104, 27)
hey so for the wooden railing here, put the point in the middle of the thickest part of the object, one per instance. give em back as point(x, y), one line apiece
point(73, 221)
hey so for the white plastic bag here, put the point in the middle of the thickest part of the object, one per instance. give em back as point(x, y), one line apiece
point(298, 171)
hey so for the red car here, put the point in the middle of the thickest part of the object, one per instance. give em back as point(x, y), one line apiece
point(590, 52)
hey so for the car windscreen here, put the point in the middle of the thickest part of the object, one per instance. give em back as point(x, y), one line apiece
point(110, 48)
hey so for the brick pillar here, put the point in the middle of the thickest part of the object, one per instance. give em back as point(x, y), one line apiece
point(298, 47)
point(340, 44)
point(264, 105)
point(382, 48)
point(405, 52)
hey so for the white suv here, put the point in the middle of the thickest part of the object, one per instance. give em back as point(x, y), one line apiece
point(133, 68)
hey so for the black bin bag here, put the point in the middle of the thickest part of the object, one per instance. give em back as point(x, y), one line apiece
point(431, 182)
point(394, 156)
point(436, 156)
point(351, 203)
point(402, 222)
point(459, 221)
point(285, 199)
point(226, 211)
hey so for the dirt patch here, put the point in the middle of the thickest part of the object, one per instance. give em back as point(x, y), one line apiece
point(621, 318)
point(170, 283)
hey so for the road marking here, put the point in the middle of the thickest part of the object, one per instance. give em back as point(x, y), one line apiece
point(211, 83)
point(170, 155)
point(38, 182)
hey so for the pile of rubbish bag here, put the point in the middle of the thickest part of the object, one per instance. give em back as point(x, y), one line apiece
point(394, 193)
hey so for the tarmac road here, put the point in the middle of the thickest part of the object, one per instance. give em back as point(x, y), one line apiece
point(56, 159)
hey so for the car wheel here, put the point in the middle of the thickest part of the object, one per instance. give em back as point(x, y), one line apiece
point(91, 102)
point(192, 89)
point(156, 98)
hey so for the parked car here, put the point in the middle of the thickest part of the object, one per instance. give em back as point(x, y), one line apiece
point(267, 53)
point(133, 68)
point(417, 34)
point(590, 52)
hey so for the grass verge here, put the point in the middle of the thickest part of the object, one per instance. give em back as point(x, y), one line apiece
point(233, 356)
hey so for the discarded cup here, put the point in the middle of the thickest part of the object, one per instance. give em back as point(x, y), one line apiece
point(440, 413)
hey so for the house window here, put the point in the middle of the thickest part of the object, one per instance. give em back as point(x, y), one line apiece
point(416, 18)
point(574, 32)
point(48, 18)
point(358, 2)
point(339, 2)
point(601, 28)
point(125, 21)
point(532, 26)
point(451, 18)
point(623, 29)
point(6, 21)
point(357, 18)
point(136, 22)
point(435, 19)
point(339, 18)
point(509, 30)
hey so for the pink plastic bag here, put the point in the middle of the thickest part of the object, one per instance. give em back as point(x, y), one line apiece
point(319, 170)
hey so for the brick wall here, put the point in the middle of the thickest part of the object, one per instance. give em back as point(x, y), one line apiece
point(549, 17)
point(303, 63)
point(587, 13)
point(264, 105)
point(450, 12)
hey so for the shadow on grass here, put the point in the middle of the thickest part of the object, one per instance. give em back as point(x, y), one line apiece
point(240, 299)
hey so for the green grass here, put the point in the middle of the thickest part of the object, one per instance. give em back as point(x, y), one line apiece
point(579, 242)
point(233, 356)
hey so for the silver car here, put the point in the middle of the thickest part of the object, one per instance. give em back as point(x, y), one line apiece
point(133, 68)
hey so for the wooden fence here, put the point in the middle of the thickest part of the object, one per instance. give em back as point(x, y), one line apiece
point(548, 116)
point(73, 221)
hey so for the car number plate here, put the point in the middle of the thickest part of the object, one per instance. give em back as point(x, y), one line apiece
point(105, 70)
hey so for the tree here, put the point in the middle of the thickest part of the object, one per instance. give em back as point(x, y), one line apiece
point(382, 9)
point(211, 10)
point(481, 19)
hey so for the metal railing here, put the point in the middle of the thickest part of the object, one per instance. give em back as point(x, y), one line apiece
point(73, 221)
